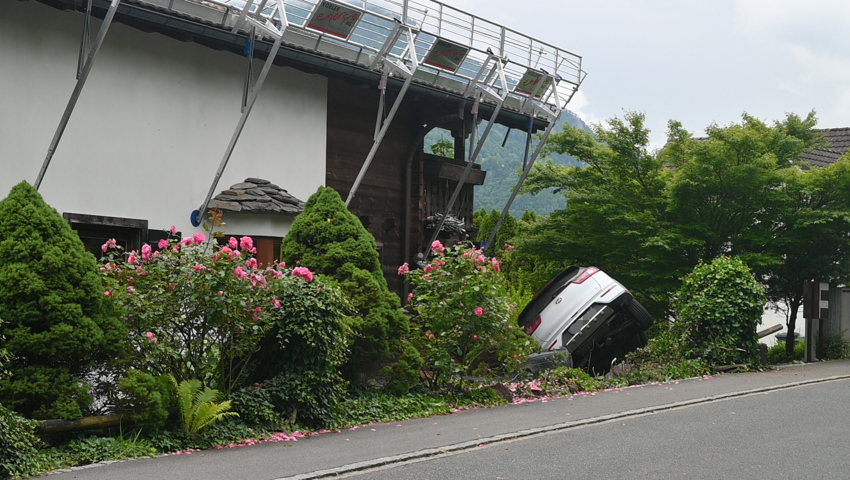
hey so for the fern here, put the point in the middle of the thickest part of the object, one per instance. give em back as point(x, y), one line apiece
point(200, 408)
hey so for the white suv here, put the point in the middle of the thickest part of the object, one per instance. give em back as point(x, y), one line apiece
point(586, 317)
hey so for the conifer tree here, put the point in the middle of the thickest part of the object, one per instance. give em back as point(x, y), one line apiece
point(56, 328)
point(328, 239)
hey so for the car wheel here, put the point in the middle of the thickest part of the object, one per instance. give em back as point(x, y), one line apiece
point(639, 313)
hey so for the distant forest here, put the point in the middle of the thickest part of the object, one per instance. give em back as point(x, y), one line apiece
point(503, 163)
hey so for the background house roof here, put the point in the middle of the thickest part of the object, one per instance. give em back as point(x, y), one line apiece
point(839, 145)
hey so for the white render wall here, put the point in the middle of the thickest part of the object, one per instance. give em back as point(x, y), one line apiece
point(152, 123)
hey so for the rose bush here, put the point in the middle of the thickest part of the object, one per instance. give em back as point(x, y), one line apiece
point(194, 309)
point(464, 314)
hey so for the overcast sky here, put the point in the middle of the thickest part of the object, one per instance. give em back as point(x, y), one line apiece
point(698, 62)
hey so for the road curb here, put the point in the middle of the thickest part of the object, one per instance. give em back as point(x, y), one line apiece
point(458, 447)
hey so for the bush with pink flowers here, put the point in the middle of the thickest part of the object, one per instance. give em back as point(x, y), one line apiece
point(194, 309)
point(465, 318)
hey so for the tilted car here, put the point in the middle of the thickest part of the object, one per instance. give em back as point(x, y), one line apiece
point(585, 319)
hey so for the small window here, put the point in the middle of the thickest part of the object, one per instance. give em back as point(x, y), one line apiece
point(95, 230)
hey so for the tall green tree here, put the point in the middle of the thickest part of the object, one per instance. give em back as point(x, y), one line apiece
point(650, 217)
point(811, 240)
point(615, 214)
point(330, 240)
point(57, 328)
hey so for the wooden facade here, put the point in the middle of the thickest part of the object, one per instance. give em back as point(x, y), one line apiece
point(380, 200)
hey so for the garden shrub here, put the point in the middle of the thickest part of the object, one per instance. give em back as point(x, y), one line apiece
point(719, 307)
point(58, 330)
point(148, 397)
point(462, 312)
point(194, 309)
point(330, 240)
point(835, 346)
point(19, 446)
point(486, 222)
point(297, 368)
point(778, 354)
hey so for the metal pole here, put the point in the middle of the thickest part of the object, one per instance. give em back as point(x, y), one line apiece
point(241, 124)
point(386, 126)
point(379, 139)
point(81, 81)
point(525, 173)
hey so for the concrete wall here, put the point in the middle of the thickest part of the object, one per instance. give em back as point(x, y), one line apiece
point(152, 123)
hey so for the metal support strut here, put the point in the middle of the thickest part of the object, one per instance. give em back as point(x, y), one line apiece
point(500, 100)
point(401, 68)
point(526, 170)
point(78, 88)
point(272, 30)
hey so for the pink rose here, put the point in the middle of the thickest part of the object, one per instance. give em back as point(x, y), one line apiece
point(111, 243)
point(199, 237)
point(233, 243)
point(438, 247)
point(146, 253)
point(496, 265)
point(251, 263)
point(479, 311)
point(187, 241)
point(410, 296)
point(199, 267)
point(303, 272)
point(132, 260)
point(149, 334)
point(276, 303)
point(173, 230)
point(131, 289)
point(240, 273)
point(163, 244)
point(247, 244)
point(404, 269)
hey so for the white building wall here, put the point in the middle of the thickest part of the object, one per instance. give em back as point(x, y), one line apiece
point(152, 123)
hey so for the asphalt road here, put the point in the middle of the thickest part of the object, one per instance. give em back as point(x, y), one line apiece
point(719, 427)
point(801, 432)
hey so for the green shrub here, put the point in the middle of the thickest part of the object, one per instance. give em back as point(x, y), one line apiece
point(835, 346)
point(19, 447)
point(462, 310)
point(330, 240)
point(58, 330)
point(297, 367)
point(719, 307)
point(777, 353)
point(148, 397)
